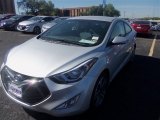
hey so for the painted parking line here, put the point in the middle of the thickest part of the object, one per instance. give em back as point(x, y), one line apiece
point(3, 31)
point(153, 46)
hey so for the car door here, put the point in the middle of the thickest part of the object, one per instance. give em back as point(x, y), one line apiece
point(130, 37)
point(116, 54)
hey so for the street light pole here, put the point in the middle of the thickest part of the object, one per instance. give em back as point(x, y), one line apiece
point(124, 14)
point(104, 4)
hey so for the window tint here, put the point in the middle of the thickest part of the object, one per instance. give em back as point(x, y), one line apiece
point(127, 28)
point(47, 19)
point(36, 18)
point(26, 17)
point(80, 32)
point(154, 23)
point(17, 17)
point(118, 30)
point(142, 22)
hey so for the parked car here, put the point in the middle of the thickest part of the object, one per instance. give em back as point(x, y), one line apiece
point(153, 23)
point(156, 27)
point(141, 26)
point(34, 24)
point(66, 70)
point(5, 16)
point(11, 23)
point(52, 23)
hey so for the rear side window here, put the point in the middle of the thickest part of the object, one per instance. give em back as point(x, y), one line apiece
point(27, 17)
point(47, 19)
point(127, 28)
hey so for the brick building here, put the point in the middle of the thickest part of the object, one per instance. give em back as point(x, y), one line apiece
point(74, 11)
point(7, 6)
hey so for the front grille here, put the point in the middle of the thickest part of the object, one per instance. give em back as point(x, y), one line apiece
point(31, 93)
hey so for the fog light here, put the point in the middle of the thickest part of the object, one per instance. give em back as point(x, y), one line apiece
point(71, 102)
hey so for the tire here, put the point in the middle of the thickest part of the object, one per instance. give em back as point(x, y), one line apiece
point(37, 30)
point(99, 92)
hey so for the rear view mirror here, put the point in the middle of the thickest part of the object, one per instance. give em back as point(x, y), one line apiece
point(119, 40)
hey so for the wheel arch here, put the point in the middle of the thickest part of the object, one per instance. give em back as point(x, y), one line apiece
point(38, 28)
point(106, 72)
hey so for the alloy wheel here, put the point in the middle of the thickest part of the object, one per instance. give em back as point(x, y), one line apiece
point(99, 91)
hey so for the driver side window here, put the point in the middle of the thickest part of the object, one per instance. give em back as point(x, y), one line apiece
point(118, 30)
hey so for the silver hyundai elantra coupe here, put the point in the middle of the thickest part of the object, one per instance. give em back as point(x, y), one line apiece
point(66, 70)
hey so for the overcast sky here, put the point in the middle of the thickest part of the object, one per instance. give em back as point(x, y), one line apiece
point(128, 8)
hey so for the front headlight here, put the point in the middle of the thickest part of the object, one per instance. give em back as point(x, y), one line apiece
point(27, 26)
point(75, 74)
point(4, 23)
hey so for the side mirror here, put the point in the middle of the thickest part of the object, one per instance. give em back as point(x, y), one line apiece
point(119, 40)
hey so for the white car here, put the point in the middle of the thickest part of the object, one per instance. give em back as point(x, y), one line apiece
point(34, 24)
point(66, 70)
point(156, 27)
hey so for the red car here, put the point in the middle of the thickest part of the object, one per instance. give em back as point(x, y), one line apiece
point(142, 27)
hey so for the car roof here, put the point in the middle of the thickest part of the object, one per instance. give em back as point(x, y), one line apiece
point(42, 16)
point(99, 18)
point(28, 15)
point(64, 17)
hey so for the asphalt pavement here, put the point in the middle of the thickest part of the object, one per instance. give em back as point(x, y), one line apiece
point(133, 95)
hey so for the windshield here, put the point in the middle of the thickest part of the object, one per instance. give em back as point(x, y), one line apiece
point(36, 18)
point(15, 17)
point(79, 32)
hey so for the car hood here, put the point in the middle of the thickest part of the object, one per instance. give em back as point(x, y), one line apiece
point(28, 22)
point(39, 58)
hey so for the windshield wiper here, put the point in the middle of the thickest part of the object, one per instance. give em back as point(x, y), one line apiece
point(68, 42)
point(73, 42)
point(80, 44)
point(63, 41)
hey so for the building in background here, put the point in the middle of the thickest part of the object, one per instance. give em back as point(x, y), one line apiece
point(74, 11)
point(7, 6)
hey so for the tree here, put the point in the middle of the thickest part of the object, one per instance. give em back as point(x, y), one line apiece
point(38, 7)
point(108, 10)
point(57, 12)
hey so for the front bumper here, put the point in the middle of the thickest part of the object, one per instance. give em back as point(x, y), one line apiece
point(1, 25)
point(59, 94)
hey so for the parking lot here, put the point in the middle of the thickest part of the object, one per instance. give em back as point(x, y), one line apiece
point(133, 95)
